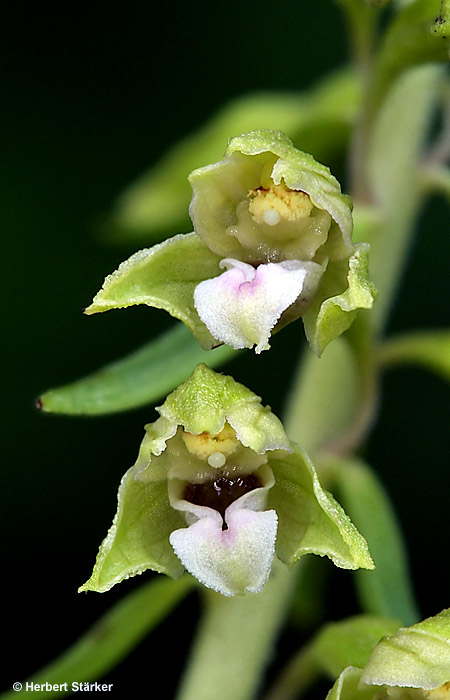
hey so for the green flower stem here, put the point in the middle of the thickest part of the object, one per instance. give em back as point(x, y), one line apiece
point(235, 640)
point(345, 370)
point(361, 21)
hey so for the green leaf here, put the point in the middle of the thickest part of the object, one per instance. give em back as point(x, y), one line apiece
point(345, 288)
point(139, 536)
point(349, 642)
point(114, 635)
point(310, 520)
point(385, 591)
point(165, 277)
point(416, 657)
point(140, 378)
point(157, 203)
point(429, 349)
point(397, 140)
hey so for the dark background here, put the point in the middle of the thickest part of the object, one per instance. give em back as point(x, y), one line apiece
point(92, 95)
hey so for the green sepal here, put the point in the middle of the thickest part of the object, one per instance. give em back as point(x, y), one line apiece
point(254, 159)
point(203, 403)
point(349, 642)
point(139, 536)
point(414, 657)
point(164, 276)
point(345, 288)
point(310, 520)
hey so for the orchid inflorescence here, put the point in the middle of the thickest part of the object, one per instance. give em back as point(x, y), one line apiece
point(218, 488)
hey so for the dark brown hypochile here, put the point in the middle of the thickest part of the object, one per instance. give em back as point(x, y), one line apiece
point(221, 492)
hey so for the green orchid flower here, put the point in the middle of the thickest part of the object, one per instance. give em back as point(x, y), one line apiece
point(219, 490)
point(271, 243)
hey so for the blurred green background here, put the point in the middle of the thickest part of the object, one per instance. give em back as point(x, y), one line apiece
point(92, 95)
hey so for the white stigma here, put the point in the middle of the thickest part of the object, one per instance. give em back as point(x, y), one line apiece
point(271, 217)
point(216, 460)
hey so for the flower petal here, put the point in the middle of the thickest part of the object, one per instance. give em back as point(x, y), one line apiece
point(241, 306)
point(233, 561)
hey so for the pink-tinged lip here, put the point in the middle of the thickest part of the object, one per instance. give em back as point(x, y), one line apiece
point(235, 560)
point(241, 306)
point(230, 552)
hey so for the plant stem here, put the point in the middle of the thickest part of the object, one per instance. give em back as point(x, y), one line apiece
point(235, 640)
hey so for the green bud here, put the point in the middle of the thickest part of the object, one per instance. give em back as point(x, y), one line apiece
point(411, 664)
point(441, 25)
point(416, 656)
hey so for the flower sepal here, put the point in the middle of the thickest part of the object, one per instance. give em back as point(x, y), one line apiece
point(164, 277)
point(345, 288)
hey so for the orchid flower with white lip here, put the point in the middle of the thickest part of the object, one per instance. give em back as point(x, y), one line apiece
point(269, 207)
point(276, 221)
point(242, 306)
point(219, 490)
